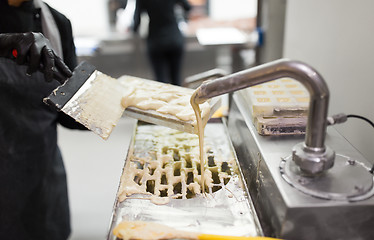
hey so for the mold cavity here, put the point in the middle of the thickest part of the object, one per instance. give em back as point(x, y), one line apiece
point(177, 188)
point(211, 162)
point(177, 171)
point(138, 179)
point(225, 167)
point(151, 171)
point(176, 156)
point(216, 188)
point(189, 178)
point(215, 178)
point(188, 161)
point(189, 194)
point(165, 150)
point(198, 167)
point(151, 186)
point(164, 180)
point(164, 193)
point(139, 165)
point(164, 164)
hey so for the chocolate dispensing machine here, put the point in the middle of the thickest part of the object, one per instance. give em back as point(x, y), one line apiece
point(300, 186)
point(319, 188)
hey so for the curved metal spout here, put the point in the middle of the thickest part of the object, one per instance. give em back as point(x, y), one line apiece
point(312, 156)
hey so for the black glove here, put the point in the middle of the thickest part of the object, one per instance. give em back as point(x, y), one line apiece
point(33, 49)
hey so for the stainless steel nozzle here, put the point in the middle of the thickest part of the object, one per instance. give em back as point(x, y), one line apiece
point(311, 156)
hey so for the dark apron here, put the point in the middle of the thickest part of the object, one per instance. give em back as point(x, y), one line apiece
point(33, 190)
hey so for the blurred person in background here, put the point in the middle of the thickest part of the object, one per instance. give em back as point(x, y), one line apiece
point(113, 7)
point(33, 190)
point(165, 41)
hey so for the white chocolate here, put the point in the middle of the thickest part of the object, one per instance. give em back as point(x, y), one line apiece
point(163, 98)
point(282, 95)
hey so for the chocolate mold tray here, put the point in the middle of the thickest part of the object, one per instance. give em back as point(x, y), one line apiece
point(161, 183)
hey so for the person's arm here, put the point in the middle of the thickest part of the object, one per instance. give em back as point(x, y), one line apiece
point(70, 59)
point(186, 7)
point(137, 16)
point(69, 50)
point(33, 49)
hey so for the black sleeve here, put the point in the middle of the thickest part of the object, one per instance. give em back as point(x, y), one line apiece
point(137, 15)
point(70, 59)
point(67, 40)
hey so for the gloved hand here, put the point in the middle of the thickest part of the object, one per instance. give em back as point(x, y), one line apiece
point(33, 49)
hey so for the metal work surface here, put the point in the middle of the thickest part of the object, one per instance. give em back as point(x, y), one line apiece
point(338, 204)
point(227, 210)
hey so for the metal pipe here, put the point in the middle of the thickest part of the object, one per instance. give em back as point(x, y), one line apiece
point(310, 78)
